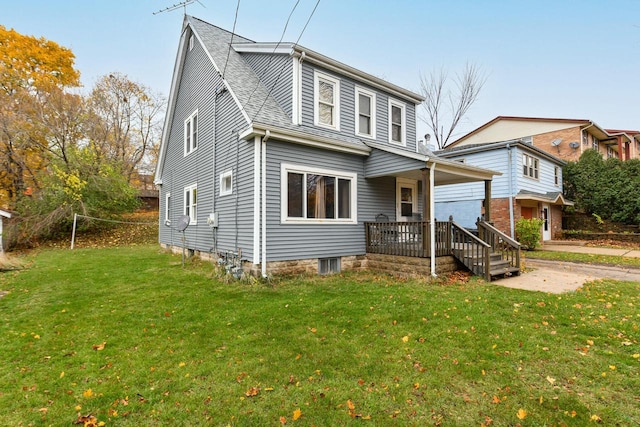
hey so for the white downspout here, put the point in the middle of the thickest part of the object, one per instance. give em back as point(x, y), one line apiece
point(263, 173)
point(257, 185)
point(432, 221)
point(511, 175)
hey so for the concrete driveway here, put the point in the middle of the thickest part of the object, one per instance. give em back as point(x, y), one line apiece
point(559, 276)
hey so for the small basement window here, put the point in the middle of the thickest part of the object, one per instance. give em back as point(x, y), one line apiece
point(328, 265)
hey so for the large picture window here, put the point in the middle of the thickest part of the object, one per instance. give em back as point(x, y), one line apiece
point(191, 133)
point(318, 195)
point(327, 101)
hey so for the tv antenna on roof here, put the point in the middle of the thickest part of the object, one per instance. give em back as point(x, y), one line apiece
point(183, 4)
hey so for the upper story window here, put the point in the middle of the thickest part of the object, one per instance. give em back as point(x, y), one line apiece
point(530, 166)
point(191, 133)
point(365, 113)
point(595, 143)
point(226, 183)
point(318, 195)
point(191, 42)
point(611, 152)
point(191, 203)
point(327, 101)
point(397, 120)
point(556, 176)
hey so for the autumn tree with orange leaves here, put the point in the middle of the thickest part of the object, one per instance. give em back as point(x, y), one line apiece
point(32, 71)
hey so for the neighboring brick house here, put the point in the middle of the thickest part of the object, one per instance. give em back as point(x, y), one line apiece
point(530, 187)
point(566, 139)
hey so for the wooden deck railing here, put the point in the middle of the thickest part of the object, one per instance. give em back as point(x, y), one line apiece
point(508, 248)
point(407, 238)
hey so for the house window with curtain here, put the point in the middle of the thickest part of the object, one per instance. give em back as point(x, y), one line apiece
point(318, 195)
point(327, 101)
point(530, 166)
point(191, 203)
point(365, 113)
point(191, 133)
point(397, 122)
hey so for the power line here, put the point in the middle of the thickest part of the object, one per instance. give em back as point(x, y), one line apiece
point(282, 67)
point(233, 33)
point(273, 52)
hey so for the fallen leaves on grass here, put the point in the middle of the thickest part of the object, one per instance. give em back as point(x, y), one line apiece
point(99, 347)
point(253, 391)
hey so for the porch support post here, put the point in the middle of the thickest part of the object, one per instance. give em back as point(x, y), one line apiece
point(487, 200)
point(425, 209)
point(432, 220)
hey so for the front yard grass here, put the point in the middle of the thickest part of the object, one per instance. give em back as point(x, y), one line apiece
point(583, 258)
point(129, 337)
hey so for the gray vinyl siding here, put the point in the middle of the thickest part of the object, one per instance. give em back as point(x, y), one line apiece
point(276, 74)
point(348, 108)
point(381, 163)
point(304, 241)
point(196, 89)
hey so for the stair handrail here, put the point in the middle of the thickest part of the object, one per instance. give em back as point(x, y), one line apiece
point(484, 246)
point(504, 237)
point(512, 254)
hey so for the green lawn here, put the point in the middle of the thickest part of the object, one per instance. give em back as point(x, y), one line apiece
point(583, 258)
point(130, 337)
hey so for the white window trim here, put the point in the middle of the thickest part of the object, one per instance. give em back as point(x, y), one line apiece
point(372, 96)
point(534, 159)
point(167, 208)
point(316, 99)
point(228, 191)
point(193, 213)
point(285, 168)
point(190, 149)
point(403, 109)
point(191, 42)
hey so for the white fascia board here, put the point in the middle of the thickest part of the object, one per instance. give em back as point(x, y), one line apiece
point(5, 214)
point(277, 48)
point(354, 73)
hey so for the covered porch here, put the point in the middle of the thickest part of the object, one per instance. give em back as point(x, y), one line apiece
point(416, 232)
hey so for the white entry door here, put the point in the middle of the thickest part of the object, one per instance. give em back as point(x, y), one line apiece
point(406, 199)
point(546, 225)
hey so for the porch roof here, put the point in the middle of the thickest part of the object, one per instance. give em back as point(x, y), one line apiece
point(390, 161)
point(552, 197)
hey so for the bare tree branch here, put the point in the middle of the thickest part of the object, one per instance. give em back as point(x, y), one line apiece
point(444, 106)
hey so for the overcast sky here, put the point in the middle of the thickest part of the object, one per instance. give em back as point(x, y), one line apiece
point(565, 59)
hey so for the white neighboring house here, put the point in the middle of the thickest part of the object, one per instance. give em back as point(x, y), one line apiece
point(3, 214)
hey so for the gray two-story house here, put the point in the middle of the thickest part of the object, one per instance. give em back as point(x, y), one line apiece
point(290, 160)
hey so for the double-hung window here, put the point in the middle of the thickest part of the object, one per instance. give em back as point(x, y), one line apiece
point(365, 113)
point(595, 143)
point(397, 119)
point(530, 166)
point(327, 101)
point(191, 133)
point(167, 208)
point(318, 195)
point(191, 203)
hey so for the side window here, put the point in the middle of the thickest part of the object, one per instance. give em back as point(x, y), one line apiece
point(397, 120)
point(167, 208)
point(191, 133)
point(326, 101)
point(226, 183)
point(191, 203)
point(365, 113)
